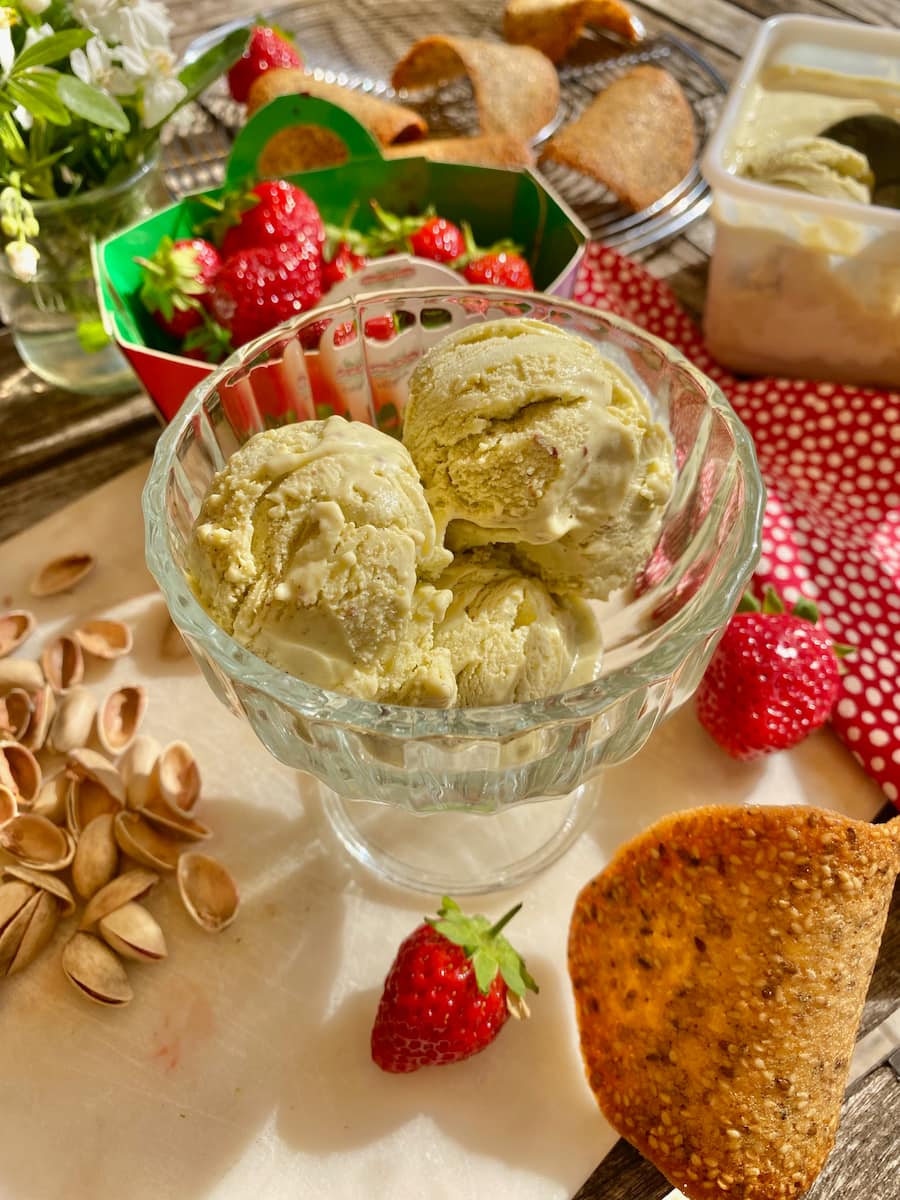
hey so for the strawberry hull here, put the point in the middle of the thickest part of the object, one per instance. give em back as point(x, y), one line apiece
point(497, 204)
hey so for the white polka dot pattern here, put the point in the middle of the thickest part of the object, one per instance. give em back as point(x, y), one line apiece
point(830, 457)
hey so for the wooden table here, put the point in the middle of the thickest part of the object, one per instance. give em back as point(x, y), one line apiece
point(54, 446)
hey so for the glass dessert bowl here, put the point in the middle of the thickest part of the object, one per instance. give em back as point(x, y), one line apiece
point(465, 800)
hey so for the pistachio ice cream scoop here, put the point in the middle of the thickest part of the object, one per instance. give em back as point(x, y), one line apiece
point(816, 165)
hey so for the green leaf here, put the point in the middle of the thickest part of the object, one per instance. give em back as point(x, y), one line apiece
point(37, 93)
point(205, 70)
point(807, 610)
point(92, 105)
point(484, 965)
point(92, 336)
point(50, 49)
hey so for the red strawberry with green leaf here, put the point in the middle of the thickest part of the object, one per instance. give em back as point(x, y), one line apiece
point(773, 678)
point(268, 48)
point(274, 212)
point(340, 264)
point(438, 240)
point(452, 986)
point(501, 268)
point(176, 280)
point(258, 288)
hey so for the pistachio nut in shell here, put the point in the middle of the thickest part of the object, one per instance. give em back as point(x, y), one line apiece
point(130, 885)
point(14, 931)
point(138, 769)
point(38, 932)
point(73, 720)
point(147, 845)
point(84, 763)
point(9, 805)
point(43, 709)
point(20, 672)
point(63, 663)
point(44, 882)
point(132, 932)
point(119, 717)
point(20, 771)
point(207, 890)
point(16, 626)
point(96, 856)
point(14, 895)
point(37, 842)
point(102, 638)
point(94, 970)
point(15, 714)
point(52, 798)
point(179, 777)
point(61, 574)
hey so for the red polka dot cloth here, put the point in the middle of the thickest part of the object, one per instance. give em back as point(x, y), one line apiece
point(830, 456)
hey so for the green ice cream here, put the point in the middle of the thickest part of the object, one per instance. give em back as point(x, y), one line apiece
point(527, 435)
point(315, 549)
point(817, 165)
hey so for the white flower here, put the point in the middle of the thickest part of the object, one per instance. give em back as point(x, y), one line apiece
point(22, 117)
point(35, 35)
point(35, 7)
point(96, 64)
point(7, 50)
point(145, 23)
point(155, 67)
point(161, 95)
point(23, 260)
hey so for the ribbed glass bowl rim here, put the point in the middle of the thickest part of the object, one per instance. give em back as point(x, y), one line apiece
point(713, 606)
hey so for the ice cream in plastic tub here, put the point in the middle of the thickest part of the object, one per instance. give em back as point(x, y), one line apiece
point(805, 272)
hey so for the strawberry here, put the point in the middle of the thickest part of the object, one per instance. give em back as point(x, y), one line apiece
point(772, 679)
point(503, 268)
point(274, 212)
point(449, 991)
point(176, 280)
point(438, 239)
point(341, 264)
point(260, 287)
point(267, 48)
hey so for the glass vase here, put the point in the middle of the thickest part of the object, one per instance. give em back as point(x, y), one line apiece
point(54, 318)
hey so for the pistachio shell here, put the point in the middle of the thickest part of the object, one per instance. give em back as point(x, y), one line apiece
point(176, 824)
point(103, 638)
point(208, 891)
point(15, 713)
point(51, 799)
point(44, 882)
point(20, 672)
point(63, 663)
point(16, 626)
point(20, 771)
point(144, 843)
point(178, 777)
point(96, 856)
point(71, 726)
point(132, 932)
point(61, 574)
point(137, 767)
point(130, 885)
point(87, 799)
point(43, 708)
point(13, 898)
point(118, 718)
point(38, 932)
point(83, 763)
point(14, 931)
point(92, 967)
point(9, 806)
point(37, 842)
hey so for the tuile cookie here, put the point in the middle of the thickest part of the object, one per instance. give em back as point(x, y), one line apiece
point(554, 26)
point(516, 88)
point(720, 964)
point(484, 150)
point(387, 121)
point(636, 137)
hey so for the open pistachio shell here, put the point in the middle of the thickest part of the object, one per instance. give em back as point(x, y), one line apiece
point(130, 885)
point(147, 845)
point(20, 673)
point(16, 626)
point(103, 638)
point(96, 856)
point(178, 777)
point(9, 806)
point(63, 663)
point(43, 882)
point(15, 714)
point(38, 932)
point(87, 800)
point(74, 718)
point(208, 891)
point(20, 771)
point(132, 932)
point(14, 895)
point(43, 708)
point(61, 574)
point(118, 718)
point(52, 798)
point(176, 824)
point(37, 842)
point(138, 769)
point(94, 970)
point(88, 764)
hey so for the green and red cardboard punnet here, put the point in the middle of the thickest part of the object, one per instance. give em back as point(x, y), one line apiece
point(497, 204)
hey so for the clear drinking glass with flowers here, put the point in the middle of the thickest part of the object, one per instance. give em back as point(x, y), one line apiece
point(86, 87)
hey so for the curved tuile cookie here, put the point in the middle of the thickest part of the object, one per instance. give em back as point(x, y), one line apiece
point(516, 88)
point(720, 965)
point(554, 26)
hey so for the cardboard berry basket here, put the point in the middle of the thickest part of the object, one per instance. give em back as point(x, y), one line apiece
point(497, 204)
